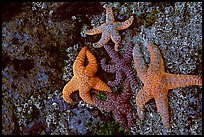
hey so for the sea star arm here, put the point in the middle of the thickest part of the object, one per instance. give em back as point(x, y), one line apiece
point(92, 66)
point(125, 24)
point(118, 79)
point(128, 53)
point(103, 105)
point(127, 111)
point(130, 117)
point(68, 89)
point(79, 61)
point(84, 93)
point(142, 97)
point(100, 85)
point(110, 68)
point(139, 63)
point(161, 101)
point(100, 104)
point(131, 77)
point(126, 90)
point(96, 30)
point(116, 38)
point(111, 52)
point(176, 80)
point(117, 114)
point(104, 39)
point(109, 14)
point(156, 61)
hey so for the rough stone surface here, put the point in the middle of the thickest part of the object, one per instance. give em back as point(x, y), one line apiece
point(40, 41)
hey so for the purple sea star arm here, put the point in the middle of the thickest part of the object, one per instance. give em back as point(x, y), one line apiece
point(125, 24)
point(117, 114)
point(111, 52)
point(107, 105)
point(110, 68)
point(119, 106)
point(102, 105)
point(130, 116)
point(126, 95)
point(128, 53)
point(118, 79)
point(131, 77)
point(139, 63)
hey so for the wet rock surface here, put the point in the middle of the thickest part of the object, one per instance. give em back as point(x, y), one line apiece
point(41, 40)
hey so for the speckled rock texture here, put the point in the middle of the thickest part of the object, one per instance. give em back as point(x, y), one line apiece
point(40, 41)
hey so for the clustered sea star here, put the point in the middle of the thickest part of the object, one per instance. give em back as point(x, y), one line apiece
point(109, 29)
point(119, 105)
point(121, 65)
point(157, 82)
point(84, 78)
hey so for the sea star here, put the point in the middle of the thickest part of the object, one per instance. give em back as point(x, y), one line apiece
point(121, 65)
point(157, 82)
point(110, 29)
point(119, 105)
point(84, 78)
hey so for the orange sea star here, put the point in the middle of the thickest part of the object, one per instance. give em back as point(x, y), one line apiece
point(157, 82)
point(84, 78)
point(109, 29)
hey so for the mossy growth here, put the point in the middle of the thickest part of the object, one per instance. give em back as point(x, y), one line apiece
point(108, 128)
point(111, 128)
point(101, 96)
point(147, 19)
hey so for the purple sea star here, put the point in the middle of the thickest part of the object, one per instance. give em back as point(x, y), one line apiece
point(121, 65)
point(119, 105)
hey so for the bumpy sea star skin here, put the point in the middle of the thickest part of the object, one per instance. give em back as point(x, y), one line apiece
point(119, 105)
point(84, 78)
point(121, 65)
point(157, 82)
point(110, 29)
